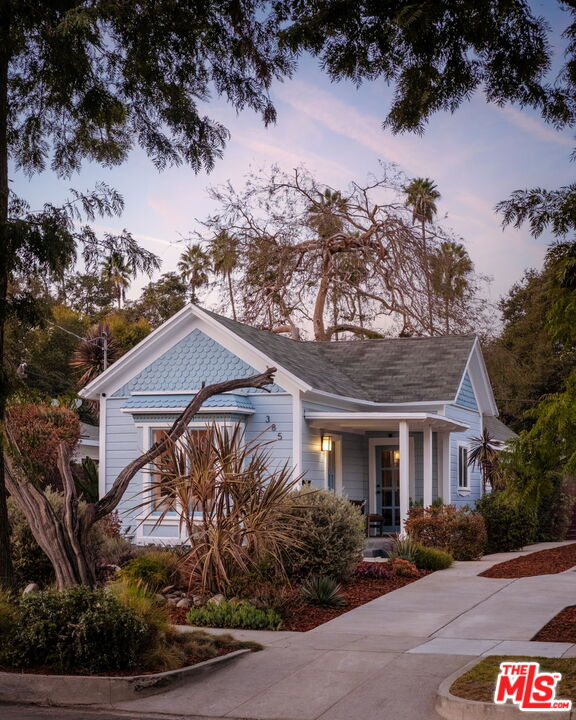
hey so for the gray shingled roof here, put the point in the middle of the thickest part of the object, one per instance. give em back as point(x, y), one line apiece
point(391, 370)
point(497, 429)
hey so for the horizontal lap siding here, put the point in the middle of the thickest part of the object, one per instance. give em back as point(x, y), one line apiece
point(473, 419)
point(123, 444)
point(313, 461)
point(355, 466)
point(279, 409)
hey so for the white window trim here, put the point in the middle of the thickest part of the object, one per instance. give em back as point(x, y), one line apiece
point(145, 515)
point(464, 490)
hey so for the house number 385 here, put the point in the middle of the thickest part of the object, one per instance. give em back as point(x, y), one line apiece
point(273, 427)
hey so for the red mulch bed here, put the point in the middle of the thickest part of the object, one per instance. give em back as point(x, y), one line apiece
point(561, 628)
point(544, 562)
point(304, 616)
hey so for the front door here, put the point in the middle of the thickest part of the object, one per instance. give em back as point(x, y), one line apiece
point(388, 486)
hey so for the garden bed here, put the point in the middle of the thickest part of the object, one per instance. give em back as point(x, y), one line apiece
point(479, 682)
point(543, 562)
point(562, 627)
point(304, 616)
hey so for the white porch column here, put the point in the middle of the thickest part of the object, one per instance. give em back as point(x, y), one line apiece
point(404, 447)
point(444, 452)
point(427, 496)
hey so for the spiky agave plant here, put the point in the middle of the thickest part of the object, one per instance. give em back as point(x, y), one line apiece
point(322, 590)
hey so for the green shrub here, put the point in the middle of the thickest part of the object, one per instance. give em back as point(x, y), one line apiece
point(331, 534)
point(156, 569)
point(77, 630)
point(232, 614)
point(323, 591)
point(509, 523)
point(459, 531)
point(8, 615)
point(427, 558)
point(139, 599)
point(554, 514)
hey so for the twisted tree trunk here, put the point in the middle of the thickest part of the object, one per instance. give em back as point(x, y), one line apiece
point(64, 537)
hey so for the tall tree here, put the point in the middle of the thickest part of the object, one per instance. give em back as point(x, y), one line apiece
point(83, 80)
point(421, 197)
point(316, 251)
point(194, 266)
point(451, 274)
point(224, 253)
point(160, 300)
point(118, 273)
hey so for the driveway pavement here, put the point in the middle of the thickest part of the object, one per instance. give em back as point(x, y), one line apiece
point(384, 659)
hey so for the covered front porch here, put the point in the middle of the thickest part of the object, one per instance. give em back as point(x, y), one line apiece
point(386, 461)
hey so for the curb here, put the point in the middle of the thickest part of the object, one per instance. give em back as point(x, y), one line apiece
point(452, 707)
point(84, 690)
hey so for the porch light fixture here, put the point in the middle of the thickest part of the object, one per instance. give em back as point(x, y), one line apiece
point(396, 456)
point(326, 443)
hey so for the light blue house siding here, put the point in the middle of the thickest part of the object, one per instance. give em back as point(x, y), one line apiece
point(272, 421)
point(466, 397)
point(123, 443)
point(474, 420)
point(166, 385)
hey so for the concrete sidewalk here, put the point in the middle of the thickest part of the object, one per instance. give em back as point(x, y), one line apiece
point(384, 659)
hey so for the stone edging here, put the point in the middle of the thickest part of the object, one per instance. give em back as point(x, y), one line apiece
point(451, 707)
point(29, 688)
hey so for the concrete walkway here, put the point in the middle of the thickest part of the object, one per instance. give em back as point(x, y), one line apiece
point(384, 659)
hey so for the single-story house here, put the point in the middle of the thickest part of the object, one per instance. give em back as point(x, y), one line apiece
point(387, 422)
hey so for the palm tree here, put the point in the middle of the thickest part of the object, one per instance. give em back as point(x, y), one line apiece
point(421, 195)
point(325, 214)
point(484, 454)
point(94, 353)
point(451, 266)
point(193, 266)
point(116, 271)
point(224, 252)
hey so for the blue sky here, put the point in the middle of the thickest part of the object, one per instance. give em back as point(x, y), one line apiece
point(477, 157)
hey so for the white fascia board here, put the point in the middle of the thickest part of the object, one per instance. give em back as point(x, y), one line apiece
point(165, 411)
point(139, 356)
point(171, 332)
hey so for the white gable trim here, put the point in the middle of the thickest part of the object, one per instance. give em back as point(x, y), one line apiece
point(478, 375)
point(169, 334)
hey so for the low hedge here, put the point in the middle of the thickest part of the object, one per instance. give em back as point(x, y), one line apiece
point(429, 558)
point(233, 614)
point(459, 531)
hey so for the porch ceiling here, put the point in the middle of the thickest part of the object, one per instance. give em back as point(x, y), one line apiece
point(360, 422)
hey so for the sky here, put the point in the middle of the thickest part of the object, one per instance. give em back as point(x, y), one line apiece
point(477, 157)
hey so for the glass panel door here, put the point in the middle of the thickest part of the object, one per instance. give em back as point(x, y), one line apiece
point(388, 486)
